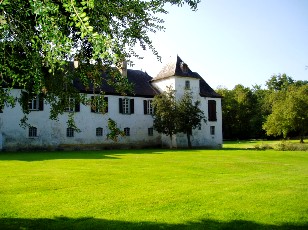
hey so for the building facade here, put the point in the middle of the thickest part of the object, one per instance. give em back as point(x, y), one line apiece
point(133, 114)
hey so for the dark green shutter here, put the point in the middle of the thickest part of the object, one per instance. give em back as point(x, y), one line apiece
point(145, 109)
point(106, 101)
point(92, 105)
point(132, 106)
point(120, 105)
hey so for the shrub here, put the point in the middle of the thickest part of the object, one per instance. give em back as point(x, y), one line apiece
point(288, 146)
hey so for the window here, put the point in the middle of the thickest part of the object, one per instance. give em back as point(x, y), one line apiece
point(187, 84)
point(32, 132)
point(126, 106)
point(70, 132)
point(72, 105)
point(99, 106)
point(212, 130)
point(127, 131)
point(212, 110)
point(99, 132)
point(147, 107)
point(33, 103)
point(150, 131)
point(36, 103)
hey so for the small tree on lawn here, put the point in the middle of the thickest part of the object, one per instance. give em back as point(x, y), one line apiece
point(189, 116)
point(165, 113)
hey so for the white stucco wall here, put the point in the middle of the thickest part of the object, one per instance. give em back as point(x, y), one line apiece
point(200, 137)
point(51, 134)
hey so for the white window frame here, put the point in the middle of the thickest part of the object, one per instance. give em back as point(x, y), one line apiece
point(126, 105)
point(34, 103)
point(149, 107)
point(71, 105)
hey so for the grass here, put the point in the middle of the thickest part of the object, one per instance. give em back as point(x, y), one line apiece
point(154, 189)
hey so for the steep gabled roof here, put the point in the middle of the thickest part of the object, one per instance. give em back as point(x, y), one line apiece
point(180, 69)
point(175, 68)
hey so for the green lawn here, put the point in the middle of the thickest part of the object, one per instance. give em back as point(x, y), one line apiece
point(154, 189)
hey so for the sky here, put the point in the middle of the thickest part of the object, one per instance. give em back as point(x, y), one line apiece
point(230, 42)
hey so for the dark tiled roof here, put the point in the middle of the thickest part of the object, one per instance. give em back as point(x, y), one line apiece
point(205, 89)
point(140, 80)
point(178, 68)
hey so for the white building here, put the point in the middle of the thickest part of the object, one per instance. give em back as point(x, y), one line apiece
point(132, 114)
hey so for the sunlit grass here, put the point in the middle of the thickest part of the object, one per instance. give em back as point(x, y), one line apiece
point(154, 188)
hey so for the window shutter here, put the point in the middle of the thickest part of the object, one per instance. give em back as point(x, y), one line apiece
point(106, 101)
point(120, 105)
point(145, 109)
point(77, 107)
point(212, 110)
point(25, 101)
point(41, 102)
point(92, 104)
point(132, 106)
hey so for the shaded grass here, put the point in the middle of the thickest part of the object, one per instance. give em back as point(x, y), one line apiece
point(142, 189)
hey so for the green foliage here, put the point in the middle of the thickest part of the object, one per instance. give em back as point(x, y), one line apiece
point(279, 82)
point(189, 115)
point(38, 37)
point(114, 131)
point(165, 113)
point(289, 112)
point(173, 116)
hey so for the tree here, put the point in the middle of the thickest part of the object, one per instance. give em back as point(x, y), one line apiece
point(279, 82)
point(189, 116)
point(239, 112)
point(38, 38)
point(289, 112)
point(165, 113)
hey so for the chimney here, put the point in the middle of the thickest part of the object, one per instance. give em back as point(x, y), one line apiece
point(124, 68)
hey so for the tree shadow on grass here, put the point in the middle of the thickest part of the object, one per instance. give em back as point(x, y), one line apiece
point(83, 154)
point(94, 223)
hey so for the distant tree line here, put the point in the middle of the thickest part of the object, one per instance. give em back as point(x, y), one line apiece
point(278, 111)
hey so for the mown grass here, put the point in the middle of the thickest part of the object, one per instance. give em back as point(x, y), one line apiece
point(154, 189)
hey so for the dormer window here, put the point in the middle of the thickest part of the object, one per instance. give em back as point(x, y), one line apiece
point(187, 84)
point(184, 67)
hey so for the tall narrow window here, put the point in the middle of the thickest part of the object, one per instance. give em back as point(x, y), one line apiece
point(127, 131)
point(126, 105)
point(72, 105)
point(147, 107)
point(212, 130)
point(99, 132)
point(187, 84)
point(99, 105)
point(212, 110)
point(32, 131)
point(126, 108)
point(70, 132)
point(150, 131)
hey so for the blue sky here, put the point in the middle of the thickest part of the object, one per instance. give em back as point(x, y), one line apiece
point(231, 42)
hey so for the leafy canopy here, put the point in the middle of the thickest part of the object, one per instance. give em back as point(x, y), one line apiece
point(38, 38)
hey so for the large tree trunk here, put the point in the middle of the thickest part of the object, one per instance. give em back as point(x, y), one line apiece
point(188, 140)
